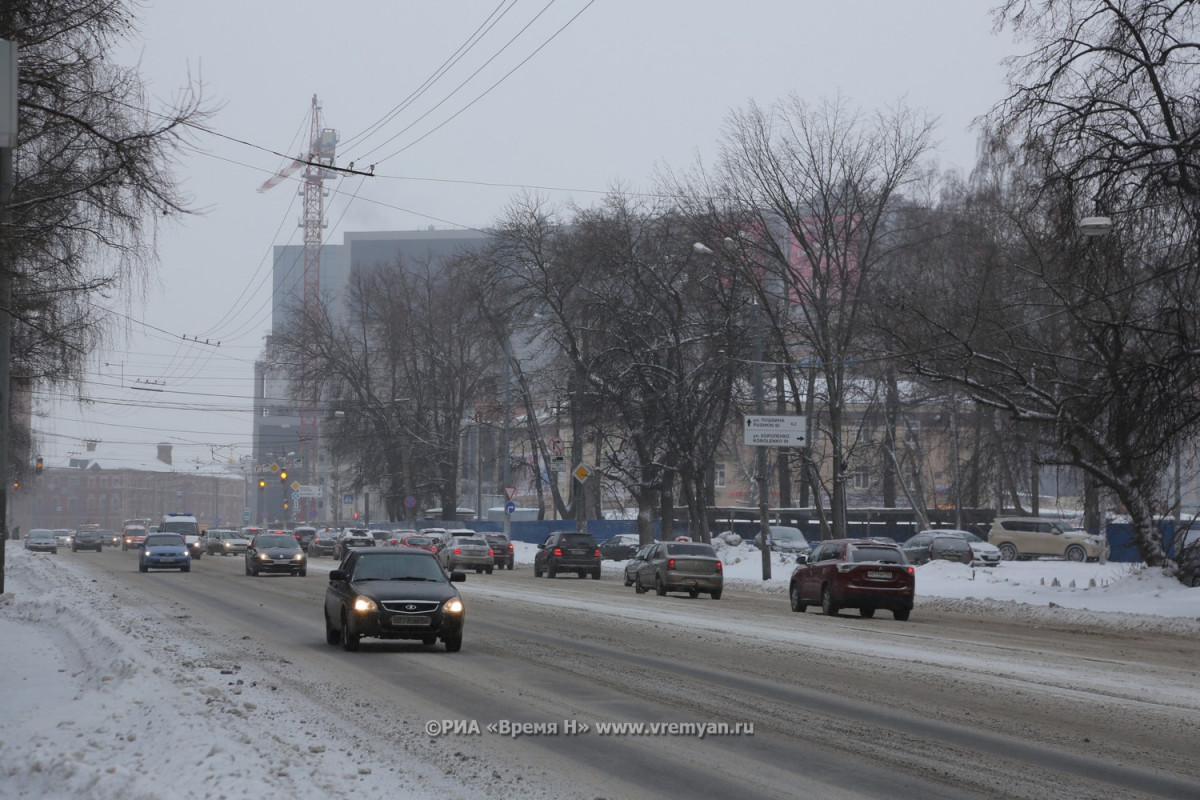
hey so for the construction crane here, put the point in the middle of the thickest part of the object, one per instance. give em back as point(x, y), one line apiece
point(322, 150)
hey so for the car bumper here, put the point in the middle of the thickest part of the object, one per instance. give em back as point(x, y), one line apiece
point(166, 562)
point(469, 562)
point(386, 625)
point(42, 548)
point(856, 597)
point(278, 566)
point(679, 581)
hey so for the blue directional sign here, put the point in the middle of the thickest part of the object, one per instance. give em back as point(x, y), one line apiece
point(347, 499)
point(510, 507)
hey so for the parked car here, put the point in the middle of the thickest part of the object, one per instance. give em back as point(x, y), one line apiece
point(276, 552)
point(354, 537)
point(1186, 552)
point(164, 551)
point(225, 542)
point(983, 553)
point(323, 543)
point(620, 547)
point(468, 552)
point(503, 552)
point(393, 593)
point(935, 545)
point(132, 537)
point(41, 540)
point(1033, 537)
point(86, 540)
point(63, 537)
point(866, 574)
point(567, 551)
point(691, 567)
point(417, 540)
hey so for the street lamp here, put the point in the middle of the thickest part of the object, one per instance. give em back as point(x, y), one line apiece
point(760, 468)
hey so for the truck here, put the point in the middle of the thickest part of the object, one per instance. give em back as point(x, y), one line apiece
point(187, 527)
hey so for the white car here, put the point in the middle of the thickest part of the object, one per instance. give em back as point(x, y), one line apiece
point(63, 537)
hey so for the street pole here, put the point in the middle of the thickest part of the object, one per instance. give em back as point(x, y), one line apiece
point(8, 142)
point(761, 466)
point(505, 448)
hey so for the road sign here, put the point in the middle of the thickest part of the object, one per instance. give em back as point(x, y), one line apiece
point(556, 445)
point(295, 486)
point(410, 501)
point(510, 507)
point(295, 496)
point(558, 461)
point(582, 472)
point(310, 490)
point(774, 431)
point(510, 492)
point(347, 499)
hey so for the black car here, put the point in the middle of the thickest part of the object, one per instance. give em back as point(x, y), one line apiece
point(276, 552)
point(304, 534)
point(567, 551)
point(355, 537)
point(323, 542)
point(86, 540)
point(620, 547)
point(502, 550)
point(1187, 556)
point(393, 593)
point(109, 538)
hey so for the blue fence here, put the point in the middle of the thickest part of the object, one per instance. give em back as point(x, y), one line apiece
point(536, 531)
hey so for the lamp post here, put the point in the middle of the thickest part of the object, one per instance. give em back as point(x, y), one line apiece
point(760, 466)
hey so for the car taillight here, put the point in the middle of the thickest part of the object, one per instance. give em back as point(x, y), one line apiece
point(719, 567)
point(670, 563)
point(911, 571)
point(510, 547)
point(597, 553)
point(558, 551)
point(458, 551)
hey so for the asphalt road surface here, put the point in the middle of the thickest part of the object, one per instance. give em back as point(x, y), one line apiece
point(946, 705)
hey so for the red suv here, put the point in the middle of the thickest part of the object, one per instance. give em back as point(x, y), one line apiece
point(854, 573)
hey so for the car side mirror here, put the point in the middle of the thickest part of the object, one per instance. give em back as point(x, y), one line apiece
point(336, 575)
point(458, 577)
point(540, 546)
point(802, 559)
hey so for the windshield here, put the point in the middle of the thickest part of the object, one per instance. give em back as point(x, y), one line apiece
point(397, 567)
point(164, 540)
point(287, 542)
point(183, 527)
point(888, 555)
point(691, 550)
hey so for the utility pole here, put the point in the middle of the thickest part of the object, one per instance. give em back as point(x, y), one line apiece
point(8, 143)
point(761, 459)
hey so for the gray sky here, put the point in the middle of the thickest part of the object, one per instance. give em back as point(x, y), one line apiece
point(569, 97)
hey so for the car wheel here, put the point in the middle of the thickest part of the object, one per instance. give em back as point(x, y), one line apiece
point(302, 573)
point(332, 635)
point(659, 587)
point(478, 570)
point(1076, 553)
point(596, 574)
point(794, 595)
point(510, 565)
point(693, 593)
point(453, 642)
point(185, 569)
point(1008, 552)
point(866, 613)
point(827, 605)
point(247, 568)
point(253, 572)
point(637, 585)
point(715, 594)
point(488, 570)
point(54, 551)
point(143, 568)
point(349, 640)
point(901, 614)
point(628, 580)
point(537, 573)
point(550, 570)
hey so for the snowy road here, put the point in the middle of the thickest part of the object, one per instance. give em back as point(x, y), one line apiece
point(224, 682)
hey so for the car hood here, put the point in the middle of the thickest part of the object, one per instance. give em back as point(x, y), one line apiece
point(279, 552)
point(405, 590)
point(984, 547)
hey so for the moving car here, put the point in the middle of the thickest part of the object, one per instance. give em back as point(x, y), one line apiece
point(304, 534)
point(63, 536)
point(322, 543)
point(632, 565)
point(418, 541)
point(187, 527)
point(276, 552)
point(620, 547)
point(691, 567)
point(393, 593)
point(164, 551)
point(355, 537)
point(41, 540)
point(503, 552)
point(1033, 537)
point(109, 538)
point(87, 540)
point(132, 537)
point(567, 551)
point(936, 545)
point(468, 552)
point(866, 574)
point(225, 542)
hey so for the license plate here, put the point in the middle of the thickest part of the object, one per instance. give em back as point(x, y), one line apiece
point(880, 574)
point(167, 560)
point(576, 552)
point(410, 622)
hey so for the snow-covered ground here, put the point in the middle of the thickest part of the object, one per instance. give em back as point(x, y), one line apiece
point(88, 710)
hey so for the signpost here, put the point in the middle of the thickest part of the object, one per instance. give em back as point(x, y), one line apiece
point(582, 472)
point(310, 490)
point(774, 431)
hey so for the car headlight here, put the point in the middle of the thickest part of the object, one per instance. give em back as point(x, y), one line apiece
point(362, 603)
point(227, 545)
point(298, 557)
point(263, 557)
point(453, 606)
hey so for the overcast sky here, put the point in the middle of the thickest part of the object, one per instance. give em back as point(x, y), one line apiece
point(569, 97)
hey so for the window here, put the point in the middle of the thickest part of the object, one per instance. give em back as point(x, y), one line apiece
point(719, 475)
point(861, 477)
point(116, 483)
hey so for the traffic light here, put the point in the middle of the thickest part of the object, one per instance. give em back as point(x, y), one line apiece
point(285, 505)
point(38, 467)
point(262, 485)
point(283, 476)
point(16, 484)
